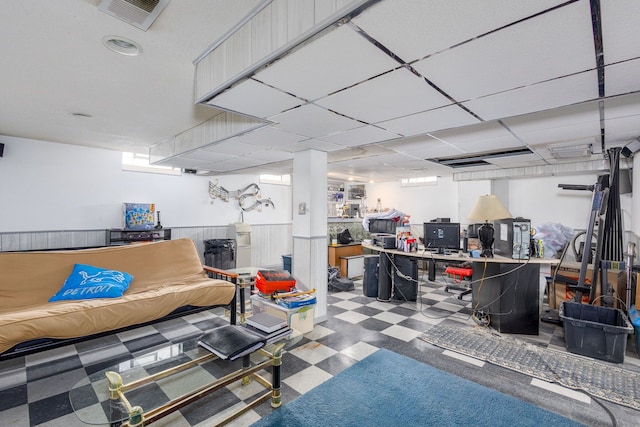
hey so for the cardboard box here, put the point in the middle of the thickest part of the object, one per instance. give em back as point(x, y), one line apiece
point(617, 278)
point(299, 318)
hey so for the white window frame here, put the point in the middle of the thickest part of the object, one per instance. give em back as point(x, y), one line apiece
point(275, 179)
point(419, 181)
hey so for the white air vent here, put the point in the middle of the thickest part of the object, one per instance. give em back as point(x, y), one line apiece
point(139, 13)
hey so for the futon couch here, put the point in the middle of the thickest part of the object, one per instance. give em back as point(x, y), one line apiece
point(167, 276)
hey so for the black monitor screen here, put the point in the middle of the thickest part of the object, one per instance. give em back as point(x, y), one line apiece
point(442, 235)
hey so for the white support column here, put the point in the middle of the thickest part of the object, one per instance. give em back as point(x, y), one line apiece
point(310, 258)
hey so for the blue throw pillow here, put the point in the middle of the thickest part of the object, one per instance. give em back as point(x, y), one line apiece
point(87, 282)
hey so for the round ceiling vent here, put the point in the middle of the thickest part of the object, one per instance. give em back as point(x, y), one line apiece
point(122, 46)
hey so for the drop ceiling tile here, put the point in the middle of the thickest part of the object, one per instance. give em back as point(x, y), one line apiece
point(238, 163)
point(270, 155)
point(562, 124)
point(622, 78)
point(360, 136)
point(271, 137)
point(480, 132)
point(205, 155)
point(545, 47)
point(622, 106)
point(358, 152)
point(255, 99)
point(312, 121)
point(542, 96)
point(426, 148)
point(620, 30)
point(331, 62)
point(230, 146)
point(314, 144)
point(413, 29)
point(621, 130)
point(388, 96)
point(430, 121)
point(517, 161)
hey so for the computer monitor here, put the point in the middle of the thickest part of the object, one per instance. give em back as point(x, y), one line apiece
point(442, 236)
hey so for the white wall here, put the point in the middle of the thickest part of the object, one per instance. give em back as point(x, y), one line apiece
point(50, 186)
point(423, 203)
point(538, 199)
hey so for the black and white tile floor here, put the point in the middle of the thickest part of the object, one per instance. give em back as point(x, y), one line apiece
point(34, 388)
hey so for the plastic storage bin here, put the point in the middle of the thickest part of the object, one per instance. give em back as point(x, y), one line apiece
point(286, 262)
point(598, 332)
point(299, 318)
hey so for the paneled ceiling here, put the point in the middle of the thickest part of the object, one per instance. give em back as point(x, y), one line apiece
point(395, 89)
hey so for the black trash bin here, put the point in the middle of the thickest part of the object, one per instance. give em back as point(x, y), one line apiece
point(370, 279)
point(220, 253)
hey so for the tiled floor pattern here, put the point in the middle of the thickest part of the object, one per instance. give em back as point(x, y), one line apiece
point(34, 388)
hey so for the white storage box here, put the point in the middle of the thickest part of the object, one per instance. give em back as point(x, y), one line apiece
point(299, 318)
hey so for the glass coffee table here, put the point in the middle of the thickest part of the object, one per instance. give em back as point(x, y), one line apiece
point(146, 388)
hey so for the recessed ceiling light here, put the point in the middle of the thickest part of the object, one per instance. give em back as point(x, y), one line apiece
point(122, 45)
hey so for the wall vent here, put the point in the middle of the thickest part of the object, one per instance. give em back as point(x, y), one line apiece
point(139, 13)
point(478, 159)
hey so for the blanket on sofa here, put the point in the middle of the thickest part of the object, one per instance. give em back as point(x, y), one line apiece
point(167, 275)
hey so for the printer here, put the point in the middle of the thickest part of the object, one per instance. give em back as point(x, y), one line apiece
point(385, 241)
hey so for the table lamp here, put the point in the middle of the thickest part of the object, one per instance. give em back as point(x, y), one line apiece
point(487, 208)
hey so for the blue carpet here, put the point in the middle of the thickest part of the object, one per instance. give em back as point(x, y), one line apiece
point(388, 389)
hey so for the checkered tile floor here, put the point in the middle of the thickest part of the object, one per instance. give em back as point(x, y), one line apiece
point(34, 388)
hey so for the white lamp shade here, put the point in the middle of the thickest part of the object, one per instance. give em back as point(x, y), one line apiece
point(488, 208)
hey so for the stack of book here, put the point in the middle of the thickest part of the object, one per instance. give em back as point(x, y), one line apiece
point(295, 298)
point(268, 326)
point(231, 342)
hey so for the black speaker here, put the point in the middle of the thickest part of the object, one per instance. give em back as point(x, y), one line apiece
point(1, 149)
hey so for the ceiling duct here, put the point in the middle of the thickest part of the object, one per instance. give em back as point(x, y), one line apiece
point(139, 13)
point(477, 159)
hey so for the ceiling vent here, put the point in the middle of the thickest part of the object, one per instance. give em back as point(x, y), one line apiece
point(139, 13)
point(478, 159)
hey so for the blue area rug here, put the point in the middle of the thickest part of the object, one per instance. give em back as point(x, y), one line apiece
point(388, 389)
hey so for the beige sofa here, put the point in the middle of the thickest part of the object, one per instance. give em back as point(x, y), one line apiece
point(166, 276)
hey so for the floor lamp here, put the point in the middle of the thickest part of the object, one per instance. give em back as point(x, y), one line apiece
point(487, 208)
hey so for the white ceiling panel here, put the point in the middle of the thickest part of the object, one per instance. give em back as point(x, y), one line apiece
point(230, 146)
point(237, 163)
point(479, 132)
point(620, 30)
point(270, 137)
point(360, 136)
point(555, 44)
point(517, 161)
point(422, 147)
point(622, 78)
point(255, 99)
point(204, 155)
point(620, 130)
point(188, 163)
point(430, 121)
point(391, 95)
point(312, 121)
point(542, 96)
point(565, 124)
point(413, 29)
point(329, 63)
point(269, 156)
point(314, 144)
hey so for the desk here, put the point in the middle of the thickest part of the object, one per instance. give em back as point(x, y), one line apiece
point(337, 251)
point(506, 289)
